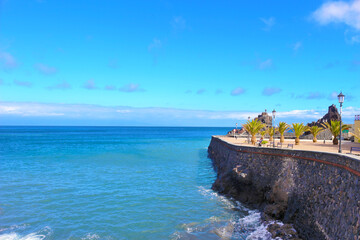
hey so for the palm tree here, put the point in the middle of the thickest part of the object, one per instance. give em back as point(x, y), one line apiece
point(271, 131)
point(262, 133)
point(315, 130)
point(334, 127)
point(299, 129)
point(283, 127)
point(253, 127)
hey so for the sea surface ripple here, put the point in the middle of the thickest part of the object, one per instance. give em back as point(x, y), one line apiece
point(115, 183)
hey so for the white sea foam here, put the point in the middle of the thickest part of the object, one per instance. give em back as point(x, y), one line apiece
point(14, 227)
point(249, 227)
point(213, 219)
point(213, 195)
point(229, 203)
point(91, 236)
point(207, 192)
point(260, 232)
point(15, 236)
point(40, 235)
point(253, 221)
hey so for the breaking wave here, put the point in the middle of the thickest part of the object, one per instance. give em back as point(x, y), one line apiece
point(237, 222)
point(9, 234)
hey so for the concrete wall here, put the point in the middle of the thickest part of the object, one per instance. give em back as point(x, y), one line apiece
point(319, 193)
point(357, 129)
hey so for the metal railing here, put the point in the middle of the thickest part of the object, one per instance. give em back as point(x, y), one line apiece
point(357, 117)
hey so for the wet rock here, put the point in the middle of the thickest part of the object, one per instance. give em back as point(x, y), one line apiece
point(276, 211)
point(285, 231)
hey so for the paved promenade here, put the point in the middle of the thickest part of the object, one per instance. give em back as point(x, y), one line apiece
point(305, 144)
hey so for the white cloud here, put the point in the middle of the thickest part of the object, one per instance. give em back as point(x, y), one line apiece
point(154, 49)
point(90, 84)
point(110, 87)
point(178, 23)
point(7, 61)
point(23, 83)
point(200, 91)
point(352, 36)
point(155, 44)
point(45, 69)
point(63, 86)
point(339, 12)
point(315, 95)
point(237, 91)
point(131, 87)
point(113, 63)
point(268, 91)
point(355, 39)
point(269, 23)
point(148, 116)
point(333, 96)
point(297, 46)
point(263, 65)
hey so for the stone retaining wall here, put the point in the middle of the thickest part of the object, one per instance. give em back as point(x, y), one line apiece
point(317, 192)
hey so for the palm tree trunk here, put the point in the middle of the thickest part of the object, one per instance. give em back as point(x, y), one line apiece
point(282, 139)
point(335, 141)
point(271, 139)
point(314, 139)
point(297, 141)
point(253, 139)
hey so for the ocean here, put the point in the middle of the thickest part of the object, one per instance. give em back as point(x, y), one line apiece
point(115, 183)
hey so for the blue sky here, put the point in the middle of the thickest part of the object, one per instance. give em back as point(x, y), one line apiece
point(193, 63)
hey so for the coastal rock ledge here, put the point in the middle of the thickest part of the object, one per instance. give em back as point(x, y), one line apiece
point(317, 193)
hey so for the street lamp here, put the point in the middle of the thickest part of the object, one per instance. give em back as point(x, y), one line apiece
point(341, 100)
point(273, 121)
point(248, 132)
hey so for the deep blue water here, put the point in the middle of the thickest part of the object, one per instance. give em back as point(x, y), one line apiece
point(115, 183)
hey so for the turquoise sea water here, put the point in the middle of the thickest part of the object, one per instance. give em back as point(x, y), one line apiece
point(115, 183)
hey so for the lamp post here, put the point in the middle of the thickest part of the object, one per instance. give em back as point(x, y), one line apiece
point(273, 121)
point(341, 100)
point(324, 132)
point(248, 132)
point(235, 131)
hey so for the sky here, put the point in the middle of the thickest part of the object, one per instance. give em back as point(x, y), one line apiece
point(176, 63)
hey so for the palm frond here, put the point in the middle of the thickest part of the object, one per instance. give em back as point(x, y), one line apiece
point(283, 127)
point(254, 126)
point(315, 130)
point(299, 129)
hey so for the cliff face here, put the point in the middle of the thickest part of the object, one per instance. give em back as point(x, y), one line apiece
point(331, 115)
point(319, 193)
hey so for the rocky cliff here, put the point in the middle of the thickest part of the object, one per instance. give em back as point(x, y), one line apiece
point(319, 193)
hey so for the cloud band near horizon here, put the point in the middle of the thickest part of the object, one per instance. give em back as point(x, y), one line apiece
point(31, 113)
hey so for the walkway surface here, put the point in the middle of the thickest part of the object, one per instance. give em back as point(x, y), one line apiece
point(305, 144)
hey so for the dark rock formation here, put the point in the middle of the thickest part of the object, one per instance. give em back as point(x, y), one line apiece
point(332, 115)
point(265, 118)
point(236, 130)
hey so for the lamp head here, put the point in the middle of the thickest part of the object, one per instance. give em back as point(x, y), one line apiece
point(274, 113)
point(341, 97)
